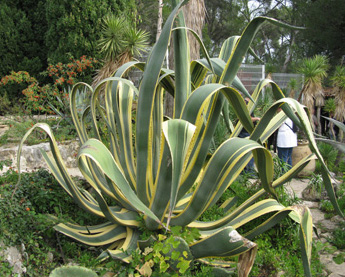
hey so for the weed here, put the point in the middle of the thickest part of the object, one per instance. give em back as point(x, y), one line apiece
point(338, 238)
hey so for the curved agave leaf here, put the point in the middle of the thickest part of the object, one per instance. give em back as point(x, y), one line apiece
point(122, 252)
point(98, 207)
point(296, 112)
point(204, 226)
point(223, 168)
point(337, 123)
point(306, 231)
point(209, 96)
point(339, 145)
point(59, 170)
point(218, 65)
point(96, 151)
point(280, 212)
point(243, 44)
point(220, 244)
point(93, 235)
point(178, 134)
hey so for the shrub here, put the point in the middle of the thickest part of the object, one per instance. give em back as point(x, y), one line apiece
point(37, 97)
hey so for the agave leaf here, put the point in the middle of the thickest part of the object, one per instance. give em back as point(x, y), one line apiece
point(96, 151)
point(220, 244)
point(211, 97)
point(203, 48)
point(306, 231)
point(204, 226)
point(178, 134)
point(306, 237)
point(74, 113)
point(337, 123)
point(95, 236)
point(223, 168)
point(181, 65)
point(99, 206)
point(218, 66)
point(339, 145)
point(227, 47)
point(243, 44)
point(123, 250)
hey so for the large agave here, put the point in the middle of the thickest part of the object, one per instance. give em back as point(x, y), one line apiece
point(164, 170)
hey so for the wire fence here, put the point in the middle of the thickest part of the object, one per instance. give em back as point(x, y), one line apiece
point(251, 75)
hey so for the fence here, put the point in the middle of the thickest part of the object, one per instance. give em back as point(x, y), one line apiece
point(251, 75)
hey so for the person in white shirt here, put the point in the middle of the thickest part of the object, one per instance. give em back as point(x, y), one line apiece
point(286, 140)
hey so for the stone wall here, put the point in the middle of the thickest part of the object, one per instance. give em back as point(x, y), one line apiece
point(32, 159)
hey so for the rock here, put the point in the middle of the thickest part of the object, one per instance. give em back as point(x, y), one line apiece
point(328, 225)
point(317, 215)
point(337, 219)
point(50, 257)
point(326, 236)
point(32, 159)
point(14, 258)
point(311, 204)
point(331, 266)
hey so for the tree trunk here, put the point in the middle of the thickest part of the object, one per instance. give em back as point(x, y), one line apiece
point(160, 19)
point(194, 14)
point(289, 54)
point(319, 131)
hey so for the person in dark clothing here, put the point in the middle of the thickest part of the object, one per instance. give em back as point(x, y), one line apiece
point(243, 134)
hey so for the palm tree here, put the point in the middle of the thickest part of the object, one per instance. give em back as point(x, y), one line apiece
point(120, 42)
point(314, 71)
point(338, 80)
point(293, 86)
point(330, 106)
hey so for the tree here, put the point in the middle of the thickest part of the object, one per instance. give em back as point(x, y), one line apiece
point(272, 44)
point(222, 21)
point(325, 23)
point(314, 71)
point(74, 26)
point(194, 13)
point(20, 47)
point(338, 80)
point(120, 41)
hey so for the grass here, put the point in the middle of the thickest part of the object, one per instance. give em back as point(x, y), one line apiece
point(19, 126)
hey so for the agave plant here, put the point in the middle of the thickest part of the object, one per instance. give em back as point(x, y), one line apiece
point(161, 168)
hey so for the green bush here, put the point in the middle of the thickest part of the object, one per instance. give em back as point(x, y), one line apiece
point(338, 236)
point(329, 154)
point(25, 218)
